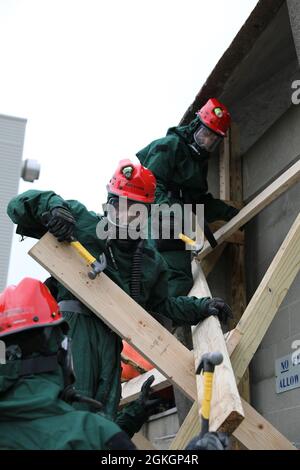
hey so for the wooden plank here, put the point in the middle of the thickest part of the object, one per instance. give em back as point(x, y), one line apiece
point(267, 300)
point(142, 443)
point(226, 408)
point(255, 432)
point(119, 311)
point(274, 190)
point(238, 300)
point(224, 168)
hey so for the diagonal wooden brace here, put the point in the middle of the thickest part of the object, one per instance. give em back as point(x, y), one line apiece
point(274, 190)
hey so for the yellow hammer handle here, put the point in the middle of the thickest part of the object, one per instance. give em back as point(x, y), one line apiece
point(83, 252)
point(186, 239)
point(208, 380)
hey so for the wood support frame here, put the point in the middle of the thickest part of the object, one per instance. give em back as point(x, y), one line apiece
point(244, 430)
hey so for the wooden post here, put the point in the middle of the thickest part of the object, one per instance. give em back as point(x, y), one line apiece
point(238, 299)
point(224, 167)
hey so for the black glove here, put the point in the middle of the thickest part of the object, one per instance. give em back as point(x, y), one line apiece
point(231, 212)
point(60, 223)
point(218, 307)
point(146, 399)
point(210, 441)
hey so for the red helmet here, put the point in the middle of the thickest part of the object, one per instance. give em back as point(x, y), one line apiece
point(134, 365)
point(215, 116)
point(134, 181)
point(27, 305)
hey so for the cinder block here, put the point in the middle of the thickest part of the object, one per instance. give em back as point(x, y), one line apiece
point(279, 329)
point(295, 317)
point(282, 348)
point(263, 364)
point(293, 294)
point(289, 424)
point(263, 396)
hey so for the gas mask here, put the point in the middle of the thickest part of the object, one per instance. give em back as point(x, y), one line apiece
point(127, 219)
point(206, 139)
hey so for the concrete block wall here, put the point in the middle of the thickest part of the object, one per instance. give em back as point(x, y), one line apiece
point(277, 149)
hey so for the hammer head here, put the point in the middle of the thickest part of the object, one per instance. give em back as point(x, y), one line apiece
point(97, 267)
point(209, 361)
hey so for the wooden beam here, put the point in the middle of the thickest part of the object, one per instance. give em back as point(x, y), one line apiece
point(238, 299)
point(224, 168)
point(267, 299)
point(274, 190)
point(255, 432)
point(226, 407)
point(120, 312)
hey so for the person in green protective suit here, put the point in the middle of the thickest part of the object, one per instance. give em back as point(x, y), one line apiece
point(132, 264)
point(37, 382)
point(179, 162)
point(37, 378)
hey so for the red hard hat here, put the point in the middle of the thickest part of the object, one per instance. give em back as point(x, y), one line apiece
point(134, 181)
point(137, 366)
point(215, 116)
point(27, 305)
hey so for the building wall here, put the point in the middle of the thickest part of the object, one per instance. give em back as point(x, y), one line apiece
point(266, 160)
point(12, 131)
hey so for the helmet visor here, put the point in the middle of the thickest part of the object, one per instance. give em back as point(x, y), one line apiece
point(123, 212)
point(206, 139)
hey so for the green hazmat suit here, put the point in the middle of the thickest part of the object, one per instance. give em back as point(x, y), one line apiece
point(181, 173)
point(96, 349)
point(33, 417)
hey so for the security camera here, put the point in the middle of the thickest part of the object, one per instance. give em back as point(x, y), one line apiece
point(30, 170)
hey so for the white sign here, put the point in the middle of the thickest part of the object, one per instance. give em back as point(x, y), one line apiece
point(287, 370)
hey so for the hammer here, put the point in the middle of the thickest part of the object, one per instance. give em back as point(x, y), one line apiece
point(96, 266)
point(207, 365)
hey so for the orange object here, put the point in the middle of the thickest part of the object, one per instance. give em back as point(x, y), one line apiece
point(133, 364)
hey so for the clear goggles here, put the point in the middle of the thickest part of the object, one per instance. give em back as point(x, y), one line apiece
point(123, 212)
point(206, 139)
